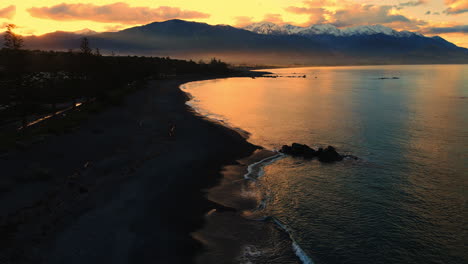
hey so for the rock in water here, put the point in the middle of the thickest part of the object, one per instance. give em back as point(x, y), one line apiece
point(299, 150)
point(329, 155)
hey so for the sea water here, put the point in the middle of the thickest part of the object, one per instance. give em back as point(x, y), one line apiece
point(403, 201)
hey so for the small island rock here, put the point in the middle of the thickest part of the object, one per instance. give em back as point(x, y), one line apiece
point(299, 150)
point(328, 154)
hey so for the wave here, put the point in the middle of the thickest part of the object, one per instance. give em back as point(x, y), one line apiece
point(256, 170)
point(300, 253)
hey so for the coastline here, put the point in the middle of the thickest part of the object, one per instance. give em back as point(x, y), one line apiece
point(120, 189)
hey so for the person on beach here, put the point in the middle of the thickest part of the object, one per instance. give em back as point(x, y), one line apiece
point(172, 128)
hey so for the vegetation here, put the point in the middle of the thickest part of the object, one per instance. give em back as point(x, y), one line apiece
point(34, 84)
point(84, 47)
point(12, 40)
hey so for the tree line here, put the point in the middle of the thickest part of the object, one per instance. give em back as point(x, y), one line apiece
point(34, 82)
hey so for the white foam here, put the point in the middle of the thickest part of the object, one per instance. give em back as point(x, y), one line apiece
point(249, 252)
point(300, 253)
point(256, 170)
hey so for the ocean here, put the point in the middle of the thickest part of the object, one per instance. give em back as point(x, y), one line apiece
point(402, 201)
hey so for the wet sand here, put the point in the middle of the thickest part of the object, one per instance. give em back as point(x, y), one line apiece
point(119, 189)
point(243, 235)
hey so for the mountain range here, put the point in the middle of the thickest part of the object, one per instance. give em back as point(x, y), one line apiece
point(268, 28)
point(264, 43)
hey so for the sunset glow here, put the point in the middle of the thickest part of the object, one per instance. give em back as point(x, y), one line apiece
point(447, 19)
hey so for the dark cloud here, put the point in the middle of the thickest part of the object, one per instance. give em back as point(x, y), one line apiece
point(456, 7)
point(8, 12)
point(113, 13)
point(455, 11)
point(413, 3)
point(428, 13)
point(444, 30)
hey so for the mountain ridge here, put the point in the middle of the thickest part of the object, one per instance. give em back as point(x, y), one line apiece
point(325, 29)
point(272, 44)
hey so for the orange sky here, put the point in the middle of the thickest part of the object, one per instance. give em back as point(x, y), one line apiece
point(446, 18)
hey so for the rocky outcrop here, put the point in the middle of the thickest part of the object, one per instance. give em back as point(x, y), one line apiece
point(329, 154)
point(299, 150)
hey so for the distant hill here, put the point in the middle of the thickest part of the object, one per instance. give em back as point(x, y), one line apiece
point(265, 43)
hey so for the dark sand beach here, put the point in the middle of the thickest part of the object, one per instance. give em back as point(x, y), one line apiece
point(119, 189)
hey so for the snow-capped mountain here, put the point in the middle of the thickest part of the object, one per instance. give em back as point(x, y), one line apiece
point(286, 44)
point(376, 29)
point(268, 28)
point(325, 29)
point(292, 29)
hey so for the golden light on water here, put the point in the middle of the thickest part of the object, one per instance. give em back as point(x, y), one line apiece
point(274, 106)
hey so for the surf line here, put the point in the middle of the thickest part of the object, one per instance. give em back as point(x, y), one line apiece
point(300, 253)
point(256, 170)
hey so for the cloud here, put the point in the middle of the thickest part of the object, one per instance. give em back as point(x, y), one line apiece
point(345, 13)
point(367, 14)
point(445, 30)
point(8, 12)
point(243, 21)
point(432, 13)
point(114, 28)
point(113, 13)
point(456, 7)
point(274, 18)
point(317, 15)
point(413, 3)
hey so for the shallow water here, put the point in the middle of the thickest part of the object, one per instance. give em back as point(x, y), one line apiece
point(404, 201)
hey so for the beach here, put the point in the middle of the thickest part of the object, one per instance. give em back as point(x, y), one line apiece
point(119, 189)
point(175, 174)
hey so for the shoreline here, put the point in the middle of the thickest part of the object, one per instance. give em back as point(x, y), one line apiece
point(238, 231)
point(102, 202)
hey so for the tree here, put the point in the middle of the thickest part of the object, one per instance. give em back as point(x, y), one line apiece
point(84, 47)
point(12, 40)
